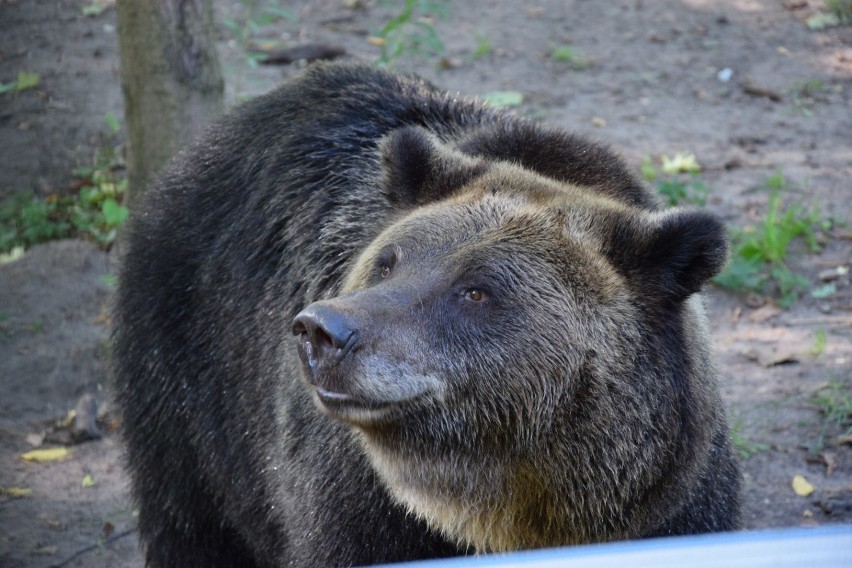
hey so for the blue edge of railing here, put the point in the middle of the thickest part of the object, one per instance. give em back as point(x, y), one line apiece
point(828, 546)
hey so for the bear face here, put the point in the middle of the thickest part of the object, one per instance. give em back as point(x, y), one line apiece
point(477, 319)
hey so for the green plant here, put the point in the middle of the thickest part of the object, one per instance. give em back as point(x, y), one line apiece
point(820, 343)
point(483, 46)
point(504, 98)
point(94, 211)
point(26, 221)
point(94, 9)
point(839, 13)
point(679, 181)
point(24, 81)
point(109, 280)
point(412, 33)
point(648, 169)
point(566, 54)
point(679, 192)
point(760, 253)
point(834, 404)
point(842, 9)
point(744, 447)
point(775, 182)
point(805, 95)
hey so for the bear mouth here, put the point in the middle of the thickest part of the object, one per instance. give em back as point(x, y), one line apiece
point(356, 410)
point(341, 401)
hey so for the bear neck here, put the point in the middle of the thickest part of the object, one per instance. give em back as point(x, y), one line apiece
point(491, 504)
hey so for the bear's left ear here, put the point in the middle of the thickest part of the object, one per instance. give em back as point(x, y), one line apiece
point(418, 168)
point(674, 255)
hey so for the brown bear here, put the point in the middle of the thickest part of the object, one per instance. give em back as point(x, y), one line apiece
point(363, 321)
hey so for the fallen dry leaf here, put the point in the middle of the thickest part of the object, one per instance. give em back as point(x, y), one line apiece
point(827, 459)
point(844, 439)
point(801, 486)
point(50, 454)
point(736, 313)
point(35, 439)
point(764, 313)
point(68, 420)
point(53, 523)
point(46, 550)
point(107, 530)
point(830, 460)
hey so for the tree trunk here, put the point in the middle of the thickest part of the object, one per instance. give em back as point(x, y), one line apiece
point(171, 81)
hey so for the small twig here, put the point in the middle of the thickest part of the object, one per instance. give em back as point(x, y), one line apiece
point(756, 91)
point(308, 52)
point(95, 546)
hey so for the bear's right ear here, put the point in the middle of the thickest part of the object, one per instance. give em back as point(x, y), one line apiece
point(671, 254)
point(418, 168)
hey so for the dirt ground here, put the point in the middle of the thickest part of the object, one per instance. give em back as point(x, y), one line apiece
point(645, 77)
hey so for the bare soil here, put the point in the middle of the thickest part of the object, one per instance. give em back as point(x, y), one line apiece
point(646, 81)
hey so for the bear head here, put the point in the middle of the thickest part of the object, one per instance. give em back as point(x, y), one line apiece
point(511, 342)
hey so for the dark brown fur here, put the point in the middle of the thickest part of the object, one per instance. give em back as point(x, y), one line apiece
point(500, 338)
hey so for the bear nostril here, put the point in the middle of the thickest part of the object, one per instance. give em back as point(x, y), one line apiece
point(325, 334)
point(323, 341)
point(299, 326)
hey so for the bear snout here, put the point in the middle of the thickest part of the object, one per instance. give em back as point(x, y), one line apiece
point(326, 335)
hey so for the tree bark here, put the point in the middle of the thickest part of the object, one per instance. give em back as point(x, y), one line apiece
point(170, 78)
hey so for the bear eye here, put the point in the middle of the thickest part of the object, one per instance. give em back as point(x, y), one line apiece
point(385, 263)
point(474, 295)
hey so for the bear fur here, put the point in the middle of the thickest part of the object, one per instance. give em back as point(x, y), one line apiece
point(363, 321)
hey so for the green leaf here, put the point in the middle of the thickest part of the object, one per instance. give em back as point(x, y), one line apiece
point(742, 273)
point(673, 190)
point(821, 21)
point(649, 171)
point(820, 342)
point(109, 280)
point(94, 9)
point(27, 80)
point(114, 214)
point(83, 171)
point(112, 122)
point(824, 291)
point(563, 53)
point(483, 46)
point(504, 98)
point(11, 256)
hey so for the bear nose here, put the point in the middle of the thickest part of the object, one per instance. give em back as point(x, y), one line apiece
point(325, 334)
